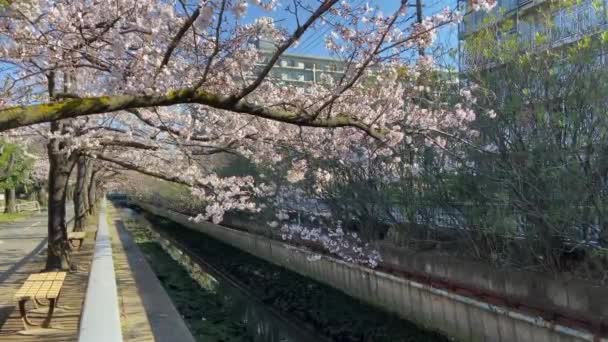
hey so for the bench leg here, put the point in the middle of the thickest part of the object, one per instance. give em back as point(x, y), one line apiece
point(47, 320)
point(60, 309)
point(26, 322)
point(45, 328)
point(39, 303)
point(40, 307)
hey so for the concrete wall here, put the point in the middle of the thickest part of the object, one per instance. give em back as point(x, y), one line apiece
point(553, 293)
point(458, 316)
point(540, 290)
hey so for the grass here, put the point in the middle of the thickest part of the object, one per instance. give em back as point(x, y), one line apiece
point(14, 217)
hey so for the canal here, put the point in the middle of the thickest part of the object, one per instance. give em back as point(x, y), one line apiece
point(231, 295)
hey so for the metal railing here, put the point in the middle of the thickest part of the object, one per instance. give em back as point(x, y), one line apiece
point(565, 24)
point(28, 206)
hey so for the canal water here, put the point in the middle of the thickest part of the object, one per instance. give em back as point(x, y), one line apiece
point(239, 297)
point(235, 312)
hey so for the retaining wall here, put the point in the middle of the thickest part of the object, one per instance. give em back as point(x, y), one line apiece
point(462, 317)
point(553, 293)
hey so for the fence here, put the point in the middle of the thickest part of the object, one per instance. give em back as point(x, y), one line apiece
point(28, 206)
point(24, 206)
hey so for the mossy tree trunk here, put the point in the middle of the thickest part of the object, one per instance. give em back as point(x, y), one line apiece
point(58, 252)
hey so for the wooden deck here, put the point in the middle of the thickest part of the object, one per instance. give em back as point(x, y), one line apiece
point(72, 296)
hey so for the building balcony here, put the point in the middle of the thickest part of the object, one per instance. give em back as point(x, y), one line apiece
point(473, 21)
point(566, 25)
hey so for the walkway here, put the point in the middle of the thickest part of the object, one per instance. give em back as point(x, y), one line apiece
point(26, 254)
point(146, 311)
point(19, 241)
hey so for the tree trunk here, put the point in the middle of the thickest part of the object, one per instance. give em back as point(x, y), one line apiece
point(58, 252)
point(92, 191)
point(81, 198)
point(10, 202)
point(42, 196)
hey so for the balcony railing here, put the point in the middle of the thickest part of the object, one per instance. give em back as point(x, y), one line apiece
point(473, 21)
point(566, 25)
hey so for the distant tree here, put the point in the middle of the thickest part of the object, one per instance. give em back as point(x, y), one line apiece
point(15, 168)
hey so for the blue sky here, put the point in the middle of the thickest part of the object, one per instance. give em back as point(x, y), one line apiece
point(312, 42)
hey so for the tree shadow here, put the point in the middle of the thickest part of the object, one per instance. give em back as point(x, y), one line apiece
point(5, 313)
point(6, 274)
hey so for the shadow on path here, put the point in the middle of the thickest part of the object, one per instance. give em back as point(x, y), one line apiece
point(6, 274)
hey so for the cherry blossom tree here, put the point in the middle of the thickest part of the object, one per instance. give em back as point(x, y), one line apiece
point(175, 79)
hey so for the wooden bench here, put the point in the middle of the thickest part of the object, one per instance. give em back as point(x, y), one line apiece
point(73, 236)
point(39, 287)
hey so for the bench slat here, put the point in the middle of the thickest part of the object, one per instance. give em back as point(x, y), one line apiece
point(76, 235)
point(41, 286)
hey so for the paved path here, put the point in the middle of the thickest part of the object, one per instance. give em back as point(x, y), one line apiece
point(19, 241)
point(22, 246)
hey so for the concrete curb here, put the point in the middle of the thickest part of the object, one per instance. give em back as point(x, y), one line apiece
point(100, 316)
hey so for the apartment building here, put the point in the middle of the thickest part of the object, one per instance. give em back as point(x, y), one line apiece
point(298, 69)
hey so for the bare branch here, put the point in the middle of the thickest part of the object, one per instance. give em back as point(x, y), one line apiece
point(128, 143)
point(142, 170)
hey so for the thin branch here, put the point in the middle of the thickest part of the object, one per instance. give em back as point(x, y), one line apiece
point(178, 37)
point(216, 47)
point(128, 143)
point(137, 168)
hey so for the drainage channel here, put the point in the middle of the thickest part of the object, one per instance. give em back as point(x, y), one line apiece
point(233, 313)
point(289, 297)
